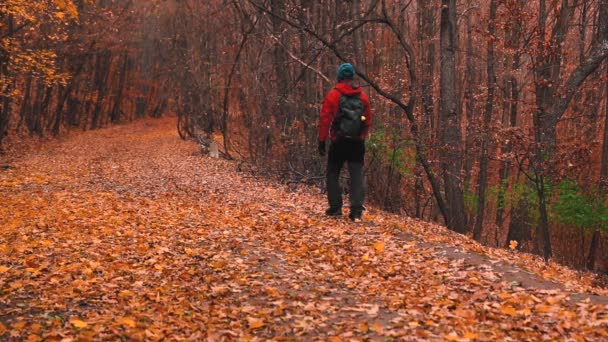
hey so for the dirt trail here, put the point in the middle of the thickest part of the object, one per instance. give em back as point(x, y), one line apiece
point(128, 233)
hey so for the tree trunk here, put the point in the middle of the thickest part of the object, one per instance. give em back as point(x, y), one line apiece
point(604, 165)
point(426, 32)
point(115, 114)
point(102, 72)
point(487, 118)
point(6, 101)
point(64, 95)
point(593, 248)
point(510, 117)
point(469, 104)
point(280, 62)
point(450, 136)
point(26, 108)
point(603, 181)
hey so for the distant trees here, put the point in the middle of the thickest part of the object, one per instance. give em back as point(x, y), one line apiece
point(72, 63)
point(493, 123)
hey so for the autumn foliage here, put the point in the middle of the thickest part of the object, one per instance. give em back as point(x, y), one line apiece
point(492, 121)
point(130, 233)
point(491, 113)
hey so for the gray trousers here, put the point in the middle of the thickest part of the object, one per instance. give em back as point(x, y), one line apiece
point(353, 153)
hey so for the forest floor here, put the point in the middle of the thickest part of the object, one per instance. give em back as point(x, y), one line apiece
point(130, 233)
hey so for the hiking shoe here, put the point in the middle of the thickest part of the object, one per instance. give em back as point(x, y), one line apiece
point(355, 216)
point(333, 212)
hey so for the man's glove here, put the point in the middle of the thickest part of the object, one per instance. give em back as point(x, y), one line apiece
point(322, 148)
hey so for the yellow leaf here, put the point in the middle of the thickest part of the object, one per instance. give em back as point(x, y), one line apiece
point(255, 323)
point(513, 244)
point(4, 269)
point(379, 247)
point(78, 323)
point(365, 257)
point(127, 321)
point(414, 324)
point(508, 310)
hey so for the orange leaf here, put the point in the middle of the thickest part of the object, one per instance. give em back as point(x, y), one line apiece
point(508, 310)
point(127, 321)
point(255, 323)
point(377, 327)
point(379, 247)
point(471, 336)
point(78, 323)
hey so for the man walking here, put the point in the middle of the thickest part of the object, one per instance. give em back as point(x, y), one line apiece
point(346, 117)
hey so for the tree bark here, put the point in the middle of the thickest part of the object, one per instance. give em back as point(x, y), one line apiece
point(487, 118)
point(6, 100)
point(280, 62)
point(510, 117)
point(604, 166)
point(115, 113)
point(450, 136)
point(593, 247)
point(469, 103)
point(426, 32)
point(102, 72)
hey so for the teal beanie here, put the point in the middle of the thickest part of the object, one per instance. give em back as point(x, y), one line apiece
point(346, 71)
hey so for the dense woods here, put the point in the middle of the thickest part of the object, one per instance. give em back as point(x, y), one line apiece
point(491, 115)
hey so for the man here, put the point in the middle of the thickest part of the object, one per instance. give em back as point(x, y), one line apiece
point(346, 117)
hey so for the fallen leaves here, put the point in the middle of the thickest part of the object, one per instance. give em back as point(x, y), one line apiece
point(255, 323)
point(379, 247)
point(127, 322)
point(78, 323)
point(135, 237)
point(508, 310)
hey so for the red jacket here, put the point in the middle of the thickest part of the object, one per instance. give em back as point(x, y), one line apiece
point(330, 109)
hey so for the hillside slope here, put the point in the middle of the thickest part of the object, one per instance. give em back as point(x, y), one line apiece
point(129, 232)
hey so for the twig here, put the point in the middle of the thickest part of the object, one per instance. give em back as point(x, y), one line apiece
point(306, 65)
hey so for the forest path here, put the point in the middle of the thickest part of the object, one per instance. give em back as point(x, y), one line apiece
point(129, 233)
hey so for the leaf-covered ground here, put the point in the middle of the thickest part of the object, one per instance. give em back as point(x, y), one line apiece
point(129, 233)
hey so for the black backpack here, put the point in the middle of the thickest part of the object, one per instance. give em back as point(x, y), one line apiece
point(348, 122)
